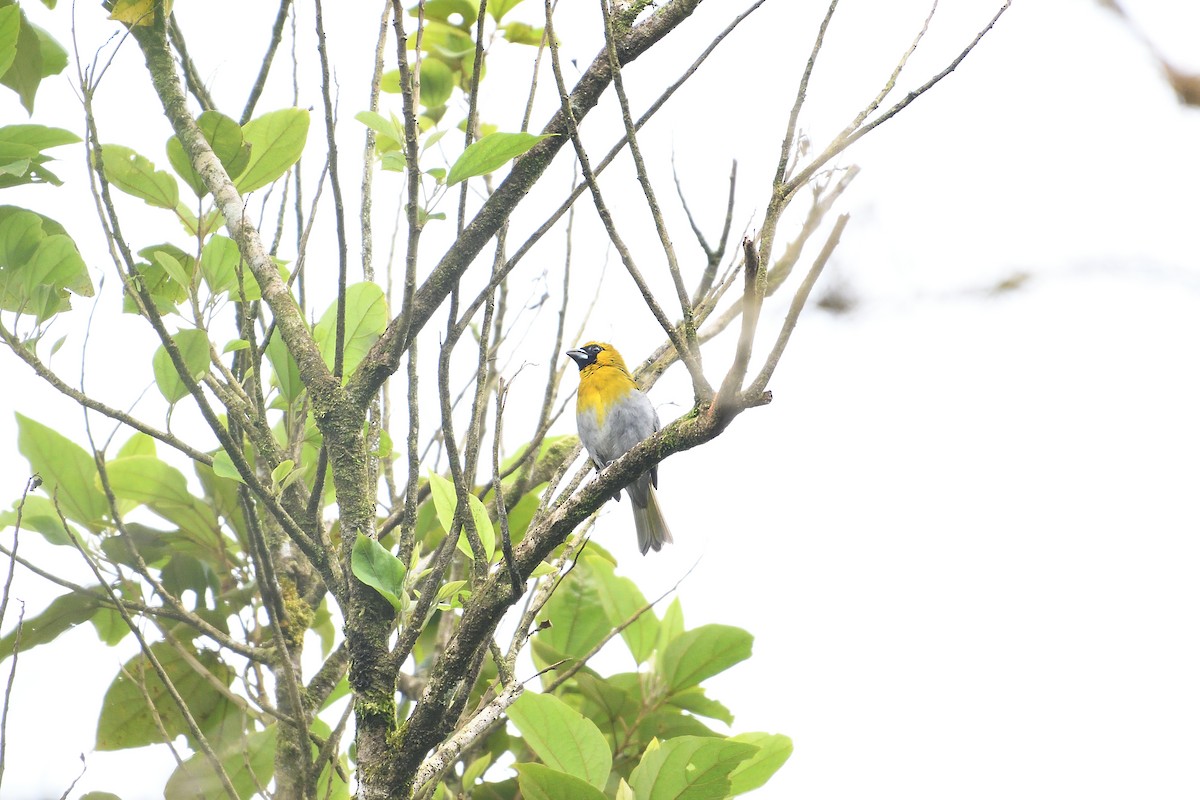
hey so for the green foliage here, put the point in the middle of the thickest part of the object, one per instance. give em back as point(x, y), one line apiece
point(21, 157)
point(276, 140)
point(696, 655)
point(376, 567)
point(38, 515)
point(125, 719)
point(562, 737)
point(225, 272)
point(68, 472)
point(366, 318)
point(773, 751)
point(539, 782)
point(248, 764)
point(498, 8)
point(39, 265)
point(228, 142)
point(286, 374)
point(27, 54)
point(445, 501)
point(135, 175)
point(490, 153)
point(63, 614)
point(193, 348)
point(176, 544)
point(146, 480)
point(692, 767)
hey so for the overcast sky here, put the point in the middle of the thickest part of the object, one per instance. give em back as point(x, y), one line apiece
point(965, 533)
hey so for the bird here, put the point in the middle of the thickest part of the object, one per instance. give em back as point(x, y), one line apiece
point(614, 415)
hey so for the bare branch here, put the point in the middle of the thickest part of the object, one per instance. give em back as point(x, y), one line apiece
point(760, 382)
point(384, 357)
point(268, 58)
point(690, 359)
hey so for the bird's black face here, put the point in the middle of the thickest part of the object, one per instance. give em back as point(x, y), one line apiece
point(585, 355)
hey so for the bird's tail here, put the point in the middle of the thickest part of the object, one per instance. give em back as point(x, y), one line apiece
point(652, 530)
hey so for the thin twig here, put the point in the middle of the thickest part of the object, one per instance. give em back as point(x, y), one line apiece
point(690, 359)
point(268, 58)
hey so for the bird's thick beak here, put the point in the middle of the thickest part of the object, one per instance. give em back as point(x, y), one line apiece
point(579, 357)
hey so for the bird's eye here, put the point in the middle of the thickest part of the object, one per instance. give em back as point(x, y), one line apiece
point(595, 349)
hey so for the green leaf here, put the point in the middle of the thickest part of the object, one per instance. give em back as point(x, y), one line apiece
point(126, 721)
point(372, 564)
point(498, 8)
point(393, 161)
point(249, 765)
point(225, 137)
point(109, 625)
point(697, 702)
point(37, 56)
point(63, 614)
point(38, 516)
point(139, 444)
point(34, 137)
point(193, 347)
point(539, 782)
point(437, 82)
point(451, 588)
point(161, 487)
point(503, 790)
point(433, 139)
point(21, 147)
point(577, 618)
point(100, 796)
point(445, 500)
point(688, 768)
point(443, 10)
point(322, 625)
point(135, 174)
point(55, 263)
point(773, 751)
point(20, 233)
point(68, 471)
point(287, 373)
point(10, 30)
point(276, 142)
point(622, 599)
point(521, 33)
point(135, 12)
point(608, 703)
point(173, 268)
point(671, 626)
point(366, 319)
point(699, 654)
point(388, 135)
point(490, 153)
point(562, 737)
point(53, 268)
point(223, 467)
point(39, 263)
point(220, 264)
point(280, 473)
point(164, 292)
point(474, 771)
point(483, 526)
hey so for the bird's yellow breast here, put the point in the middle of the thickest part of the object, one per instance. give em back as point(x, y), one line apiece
point(600, 388)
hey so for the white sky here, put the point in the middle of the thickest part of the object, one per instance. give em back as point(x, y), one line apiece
point(965, 533)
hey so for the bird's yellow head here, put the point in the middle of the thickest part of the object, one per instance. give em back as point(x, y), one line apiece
point(594, 355)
